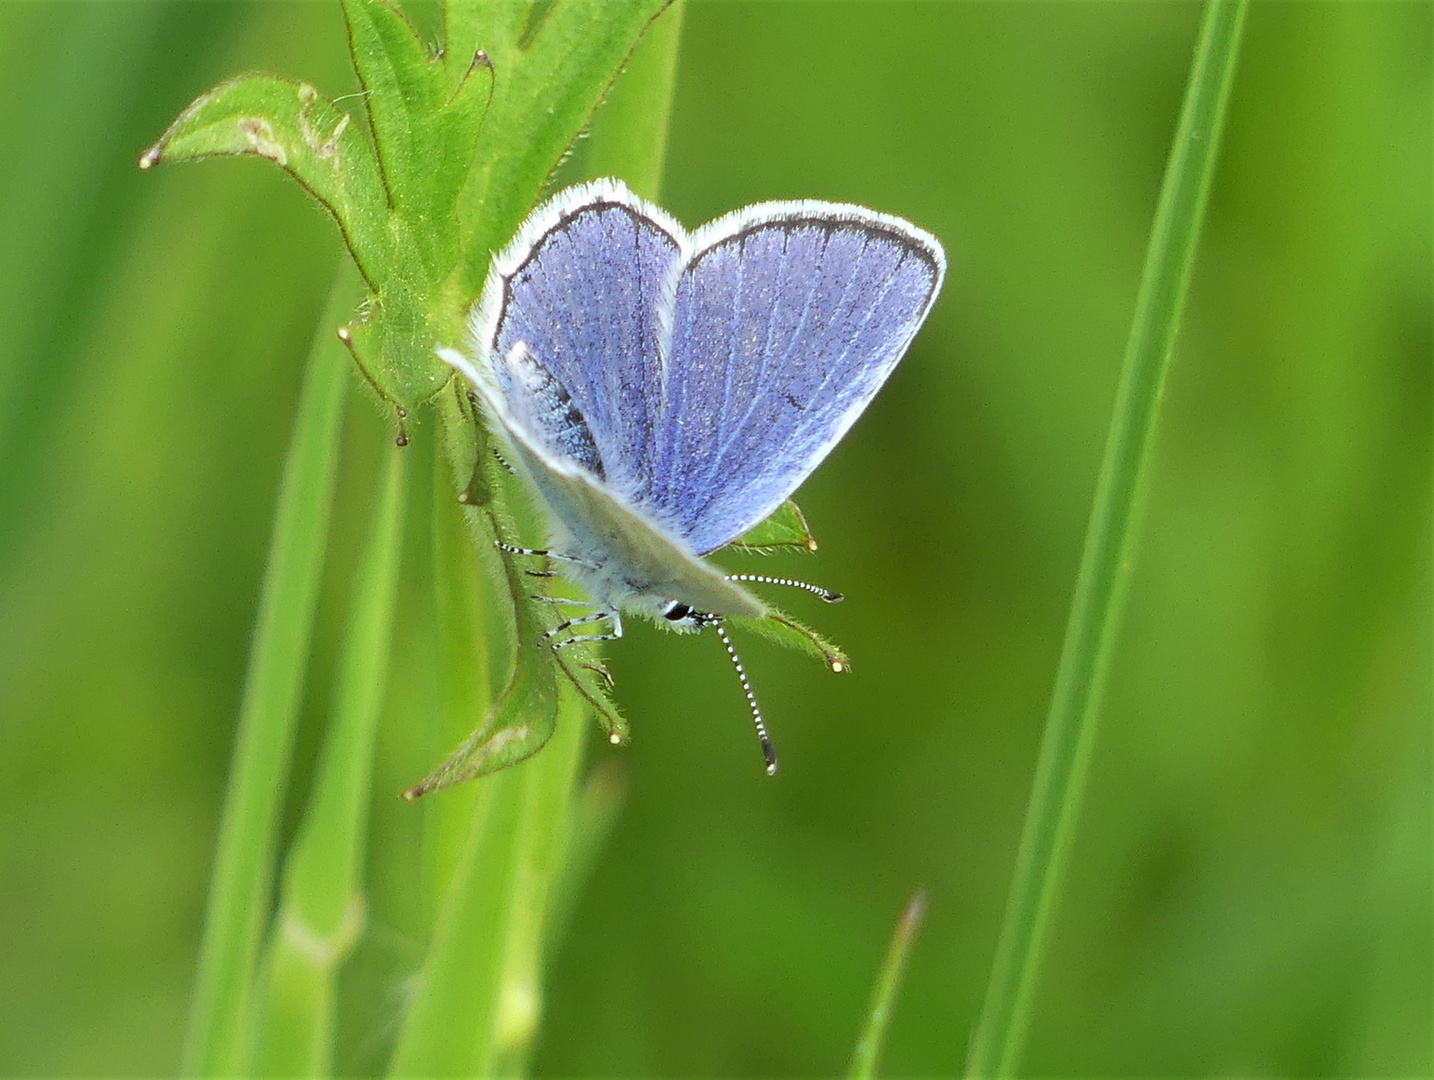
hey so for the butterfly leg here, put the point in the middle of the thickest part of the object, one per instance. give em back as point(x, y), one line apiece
point(504, 462)
point(586, 639)
point(511, 549)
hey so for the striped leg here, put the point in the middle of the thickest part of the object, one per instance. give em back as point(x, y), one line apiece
point(585, 639)
point(510, 549)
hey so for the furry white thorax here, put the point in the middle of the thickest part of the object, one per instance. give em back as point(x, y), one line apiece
point(596, 569)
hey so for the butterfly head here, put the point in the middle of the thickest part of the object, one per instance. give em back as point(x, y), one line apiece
point(682, 618)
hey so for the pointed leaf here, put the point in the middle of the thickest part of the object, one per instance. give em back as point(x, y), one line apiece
point(781, 628)
point(594, 683)
point(786, 528)
point(523, 718)
point(520, 725)
point(306, 135)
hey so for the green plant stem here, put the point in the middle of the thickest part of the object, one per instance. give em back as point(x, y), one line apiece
point(467, 642)
point(478, 1000)
point(1109, 550)
point(323, 908)
point(594, 813)
point(883, 998)
point(545, 823)
point(244, 860)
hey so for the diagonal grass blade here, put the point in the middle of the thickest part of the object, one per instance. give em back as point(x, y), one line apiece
point(1109, 549)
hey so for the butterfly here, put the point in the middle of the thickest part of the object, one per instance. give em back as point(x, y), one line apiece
point(665, 391)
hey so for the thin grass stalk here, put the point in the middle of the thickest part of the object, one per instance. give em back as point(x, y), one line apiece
point(867, 1058)
point(594, 813)
point(1108, 556)
point(470, 646)
point(323, 909)
point(447, 1030)
point(273, 688)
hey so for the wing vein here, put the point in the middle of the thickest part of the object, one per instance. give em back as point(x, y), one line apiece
point(771, 372)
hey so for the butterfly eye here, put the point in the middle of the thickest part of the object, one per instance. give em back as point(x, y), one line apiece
point(677, 611)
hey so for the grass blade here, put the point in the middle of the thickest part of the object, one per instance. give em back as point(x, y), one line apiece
point(883, 998)
point(243, 864)
point(322, 913)
point(471, 647)
point(1109, 548)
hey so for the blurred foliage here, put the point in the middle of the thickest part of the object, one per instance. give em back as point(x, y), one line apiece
point(1251, 885)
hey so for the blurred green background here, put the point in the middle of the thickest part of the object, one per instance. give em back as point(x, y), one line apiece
point(1251, 885)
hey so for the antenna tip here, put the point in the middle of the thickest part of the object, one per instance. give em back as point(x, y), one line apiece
point(838, 667)
point(772, 767)
point(615, 739)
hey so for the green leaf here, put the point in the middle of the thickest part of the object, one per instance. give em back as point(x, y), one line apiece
point(1109, 553)
point(472, 628)
point(322, 910)
point(629, 140)
point(593, 683)
point(786, 528)
point(543, 95)
point(883, 996)
point(781, 628)
point(306, 135)
point(239, 894)
point(521, 722)
point(426, 136)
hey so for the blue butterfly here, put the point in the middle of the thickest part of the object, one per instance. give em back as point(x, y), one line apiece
point(665, 392)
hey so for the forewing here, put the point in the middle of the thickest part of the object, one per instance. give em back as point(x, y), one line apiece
point(777, 333)
point(579, 287)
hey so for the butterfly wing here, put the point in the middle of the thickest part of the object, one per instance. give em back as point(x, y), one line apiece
point(567, 366)
point(777, 332)
point(579, 286)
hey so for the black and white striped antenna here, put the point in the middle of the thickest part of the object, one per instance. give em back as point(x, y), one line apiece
point(757, 722)
point(816, 590)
